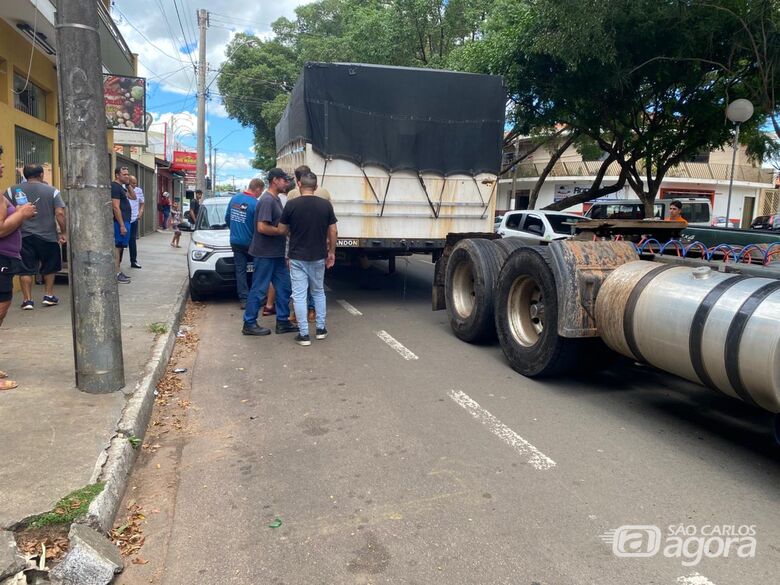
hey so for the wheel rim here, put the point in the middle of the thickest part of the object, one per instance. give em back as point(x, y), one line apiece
point(525, 311)
point(463, 293)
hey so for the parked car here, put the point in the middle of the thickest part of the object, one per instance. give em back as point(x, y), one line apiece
point(209, 256)
point(535, 227)
point(695, 210)
point(766, 222)
point(497, 223)
point(721, 221)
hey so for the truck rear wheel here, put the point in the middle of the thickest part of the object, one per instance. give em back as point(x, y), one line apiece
point(506, 246)
point(526, 317)
point(472, 271)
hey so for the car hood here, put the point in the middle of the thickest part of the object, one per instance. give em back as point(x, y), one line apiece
point(213, 238)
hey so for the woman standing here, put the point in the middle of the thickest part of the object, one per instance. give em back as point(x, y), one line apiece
point(11, 219)
point(164, 207)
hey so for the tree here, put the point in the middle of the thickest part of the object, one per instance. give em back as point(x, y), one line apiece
point(641, 78)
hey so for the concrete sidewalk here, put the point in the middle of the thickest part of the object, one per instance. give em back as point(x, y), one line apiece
point(51, 434)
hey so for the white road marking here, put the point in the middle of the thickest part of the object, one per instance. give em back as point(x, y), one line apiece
point(694, 579)
point(349, 308)
point(536, 458)
point(396, 345)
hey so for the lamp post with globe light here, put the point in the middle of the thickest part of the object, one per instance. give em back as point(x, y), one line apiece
point(738, 111)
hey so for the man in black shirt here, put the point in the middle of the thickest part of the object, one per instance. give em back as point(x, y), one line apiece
point(195, 207)
point(311, 223)
point(122, 213)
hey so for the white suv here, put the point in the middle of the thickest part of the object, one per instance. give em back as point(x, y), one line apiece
point(209, 256)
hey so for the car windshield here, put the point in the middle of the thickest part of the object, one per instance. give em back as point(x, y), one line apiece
point(561, 224)
point(212, 217)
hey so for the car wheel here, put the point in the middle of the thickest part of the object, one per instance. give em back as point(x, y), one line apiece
point(195, 295)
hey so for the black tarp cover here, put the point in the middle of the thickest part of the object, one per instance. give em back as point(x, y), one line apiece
point(398, 118)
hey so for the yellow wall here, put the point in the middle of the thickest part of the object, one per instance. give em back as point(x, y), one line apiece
point(15, 57)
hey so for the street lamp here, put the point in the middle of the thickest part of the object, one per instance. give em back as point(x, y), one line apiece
point(738, 111)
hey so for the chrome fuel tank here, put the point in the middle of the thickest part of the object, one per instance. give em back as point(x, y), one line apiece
point(717, 329)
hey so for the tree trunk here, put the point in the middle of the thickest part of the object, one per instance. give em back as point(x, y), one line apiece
point(596, 189)
point(554, 158)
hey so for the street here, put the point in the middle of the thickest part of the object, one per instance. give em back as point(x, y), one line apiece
point(392, 452)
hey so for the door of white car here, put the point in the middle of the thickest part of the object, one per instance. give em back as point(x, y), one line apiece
point(510, 225)
point(532, 229)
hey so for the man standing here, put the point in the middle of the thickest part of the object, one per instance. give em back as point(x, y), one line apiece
point(40, 241)
point(240, 218)
point(270, 267)
point(311, 223)
point(120, 205)
point(675, 212)
point(195, 207)
point(136, 213)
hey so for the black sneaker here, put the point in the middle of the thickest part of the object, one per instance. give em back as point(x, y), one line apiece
point(122, 278)
point(50, 300)
point(135, 265)
point(28, 305)
point(302, 339)
point(285, 327)
point(321, 333)
point(255, 330)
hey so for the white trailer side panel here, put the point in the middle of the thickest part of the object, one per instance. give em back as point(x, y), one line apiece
point(370, 203)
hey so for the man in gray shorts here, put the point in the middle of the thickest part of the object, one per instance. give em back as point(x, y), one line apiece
point(40, 239)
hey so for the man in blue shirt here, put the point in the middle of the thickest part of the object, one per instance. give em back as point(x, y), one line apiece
point(270, 265)
point(240, 218)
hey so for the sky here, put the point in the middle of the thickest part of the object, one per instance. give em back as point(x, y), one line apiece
point(167, 48)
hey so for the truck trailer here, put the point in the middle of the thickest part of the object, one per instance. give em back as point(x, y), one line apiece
point(408, 155)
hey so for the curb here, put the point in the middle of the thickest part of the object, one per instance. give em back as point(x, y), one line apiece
point(116, 462)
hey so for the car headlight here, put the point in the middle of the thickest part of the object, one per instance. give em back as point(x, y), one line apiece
point(200, 254)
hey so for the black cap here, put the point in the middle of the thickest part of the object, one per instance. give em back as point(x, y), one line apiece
point(277, 173)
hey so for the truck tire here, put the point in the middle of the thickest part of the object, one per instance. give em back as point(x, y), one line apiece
point(506, 246)
point(469, 284)
point(526, 316)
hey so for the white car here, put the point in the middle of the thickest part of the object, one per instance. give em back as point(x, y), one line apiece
point(209, 256)
point(535, 227)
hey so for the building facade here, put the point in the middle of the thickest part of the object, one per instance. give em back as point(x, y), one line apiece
point(706, 175)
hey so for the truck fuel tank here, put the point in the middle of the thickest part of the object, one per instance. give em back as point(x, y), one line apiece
point(716, 329)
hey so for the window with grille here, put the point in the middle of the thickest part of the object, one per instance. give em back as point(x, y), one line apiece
point(32, 148)
point(29, 98)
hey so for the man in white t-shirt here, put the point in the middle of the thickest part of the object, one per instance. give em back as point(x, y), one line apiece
point(136, 213)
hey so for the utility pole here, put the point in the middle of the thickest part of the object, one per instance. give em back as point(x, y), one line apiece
point(203, 23)
point(512, 197)
point(215, 166)
point(211, 166)
point(97, 327)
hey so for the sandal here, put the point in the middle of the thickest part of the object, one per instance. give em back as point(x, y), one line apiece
point(8, 385)
point(267, 311)
point(3, 374)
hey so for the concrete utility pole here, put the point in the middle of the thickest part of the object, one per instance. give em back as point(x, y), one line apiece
point(203, 23)
point(211, 167)
point(97, 336)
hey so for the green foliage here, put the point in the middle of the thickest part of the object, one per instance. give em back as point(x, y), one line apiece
point(157, 328)
point(69, 508)
point(646, 81)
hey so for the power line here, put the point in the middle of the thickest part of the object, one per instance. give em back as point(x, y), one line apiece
point(186, 41)
point(131, 25)
point(32, 52)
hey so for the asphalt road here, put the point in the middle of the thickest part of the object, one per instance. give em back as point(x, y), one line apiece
point(392, 452)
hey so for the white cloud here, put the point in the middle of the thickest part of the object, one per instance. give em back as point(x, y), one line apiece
point(218, 109)
point(233, 162)
point(157, 37)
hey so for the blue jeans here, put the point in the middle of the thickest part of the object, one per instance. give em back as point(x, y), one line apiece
point(241, 258)
point(308, 277)
point(268, 270)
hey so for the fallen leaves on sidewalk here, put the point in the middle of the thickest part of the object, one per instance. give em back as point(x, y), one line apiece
point(128, 534)
point(54, 538)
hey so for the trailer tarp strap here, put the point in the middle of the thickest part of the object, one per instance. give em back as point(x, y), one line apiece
point(389, 178)
point(370, 186)
point(425, 189)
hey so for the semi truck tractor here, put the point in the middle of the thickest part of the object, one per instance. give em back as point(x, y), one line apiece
point(407, 155)
point(568, 307)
